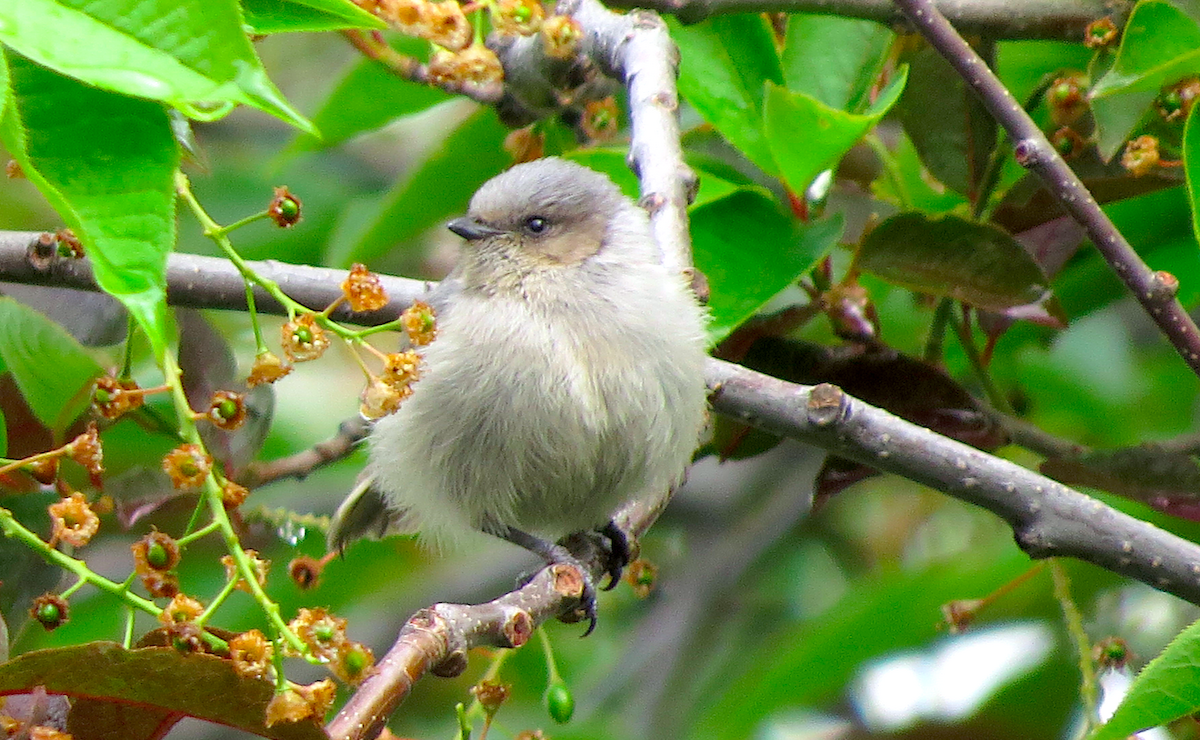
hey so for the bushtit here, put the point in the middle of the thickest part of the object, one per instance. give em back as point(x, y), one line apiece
point(565, 380)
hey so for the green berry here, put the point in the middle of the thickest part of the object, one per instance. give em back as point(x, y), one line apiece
point(157, 556)
point(48, 614)
point(560, 703)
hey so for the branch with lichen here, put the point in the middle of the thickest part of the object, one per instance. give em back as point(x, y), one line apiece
point(1048, 519)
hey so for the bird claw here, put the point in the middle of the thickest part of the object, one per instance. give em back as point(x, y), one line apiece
point(617, 553)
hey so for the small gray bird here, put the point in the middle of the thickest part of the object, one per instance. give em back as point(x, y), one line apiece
point(566, 378)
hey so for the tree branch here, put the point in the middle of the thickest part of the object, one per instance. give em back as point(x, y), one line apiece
point(1048, 519)
point(996, 19)
point(636, 50)
point(1154, 290)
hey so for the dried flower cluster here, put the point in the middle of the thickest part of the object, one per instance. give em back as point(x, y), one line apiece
point(303, 339)
point(267, 369)
point(296, 703)
point(517, 17)
point(284, 209)
point(325, 637)
point(87, 451)
point(475, 64)
point(363, 290)
point(114, 397)
point(561, 36)
point(420, 323)
point(187, 466)
point(1141, 156)
point(227, 410)
point(261, 567)
point(154, 559)
point(73, 521)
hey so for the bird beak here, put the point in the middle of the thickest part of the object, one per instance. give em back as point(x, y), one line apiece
point(471, 228)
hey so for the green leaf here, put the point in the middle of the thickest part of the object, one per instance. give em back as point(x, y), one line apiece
point(1191, 164)
point(105, 162)
point(1166, 689)
point(749, 250)
point(52, 371)
point(952, 131)
point(835, 60)
point(810, 662)
point(908, 184)
point(442, 186)
point(160, 682)
point(612, 163)
point(975, 263)
point(725, 63)
point(1160, 46)
point(368, 97)
point(283, 16)
point(191, 54)
point(828, 133)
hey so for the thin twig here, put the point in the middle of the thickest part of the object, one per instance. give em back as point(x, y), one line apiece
point(408, 68)
point(998, 19)
point(1154, 290)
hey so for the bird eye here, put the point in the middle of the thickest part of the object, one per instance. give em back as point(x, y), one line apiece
point(536, 224)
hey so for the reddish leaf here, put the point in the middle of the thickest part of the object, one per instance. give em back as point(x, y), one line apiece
point(157, 682)
point(978, 264)
point(1164, 479)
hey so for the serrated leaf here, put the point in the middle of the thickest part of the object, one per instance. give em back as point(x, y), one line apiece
point(289, 16)
point(158, 681)
point(978, 264)
point(828, 133)
point(1165, 690)
point(105, 162)
point(725, 63)
point(749, 250)
point(51, 369)
point(439, 188)
point(834, 60)
point(1159, 46)
point(190, 54)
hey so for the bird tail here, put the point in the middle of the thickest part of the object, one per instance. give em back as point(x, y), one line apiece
point(365, 513)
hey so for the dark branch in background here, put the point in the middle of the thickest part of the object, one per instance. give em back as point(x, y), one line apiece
point(996, 19)
point(300, 465)
point(1048, 518)
point(1154, 290)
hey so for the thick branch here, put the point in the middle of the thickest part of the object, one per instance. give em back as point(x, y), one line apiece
point(1154, 290)
point(207, 282)
point(996, 19)
point(1048, 519)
